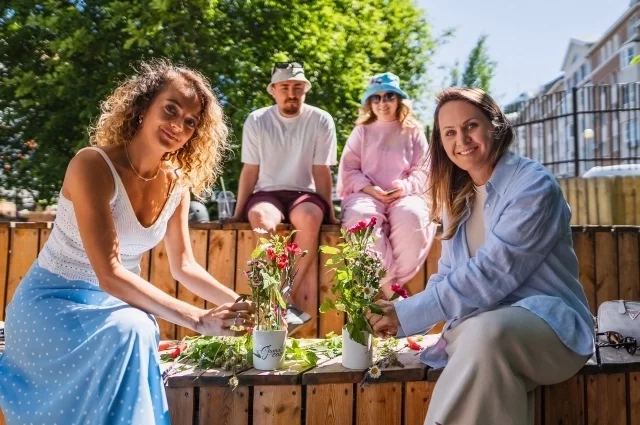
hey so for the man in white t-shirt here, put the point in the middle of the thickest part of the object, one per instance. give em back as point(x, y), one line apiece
point(287, 151)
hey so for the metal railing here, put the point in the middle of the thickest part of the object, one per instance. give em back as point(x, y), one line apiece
point(572, 131)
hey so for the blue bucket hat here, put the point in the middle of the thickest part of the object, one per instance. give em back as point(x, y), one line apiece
point(383, 82)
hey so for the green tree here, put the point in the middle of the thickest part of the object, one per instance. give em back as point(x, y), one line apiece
point(479, 69)
point(60, 58)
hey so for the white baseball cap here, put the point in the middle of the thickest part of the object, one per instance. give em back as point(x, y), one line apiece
point(288, 71)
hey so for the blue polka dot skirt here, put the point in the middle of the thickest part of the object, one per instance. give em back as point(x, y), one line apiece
point(76, 355)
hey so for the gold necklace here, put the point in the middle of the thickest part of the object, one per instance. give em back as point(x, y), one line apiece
point(126, 151)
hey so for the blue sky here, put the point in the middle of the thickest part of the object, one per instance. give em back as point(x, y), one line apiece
point(528, 39)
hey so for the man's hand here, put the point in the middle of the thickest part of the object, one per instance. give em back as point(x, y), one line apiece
point(387, 325)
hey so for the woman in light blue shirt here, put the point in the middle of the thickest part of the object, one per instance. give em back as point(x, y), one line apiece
point(507, 282)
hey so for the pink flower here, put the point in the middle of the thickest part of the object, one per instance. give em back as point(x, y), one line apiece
point(293, 248)
point(271, 253)
point(283, 262)
point(372, 222)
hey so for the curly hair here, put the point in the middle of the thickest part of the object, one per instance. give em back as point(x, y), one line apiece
point(404, 114)
point(200, 158)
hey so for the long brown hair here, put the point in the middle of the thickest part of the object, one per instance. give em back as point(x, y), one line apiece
point(404, 113)
point(451, 186)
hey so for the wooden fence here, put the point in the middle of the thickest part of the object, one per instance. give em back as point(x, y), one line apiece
point(603, 200)
point(609, 259)
point(608, 256)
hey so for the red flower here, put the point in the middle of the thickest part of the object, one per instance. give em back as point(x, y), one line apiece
point(293, 248)
point(399, 290)
point(357, 227)
point(179, 349)
point(372, 222)
point(283, 262)
point(271, 253)
point(413, 345)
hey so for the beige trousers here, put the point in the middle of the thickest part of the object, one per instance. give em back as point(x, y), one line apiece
point(496, 360)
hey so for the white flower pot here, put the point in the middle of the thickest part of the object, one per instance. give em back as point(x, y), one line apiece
point(268, 349)
point(356, 355)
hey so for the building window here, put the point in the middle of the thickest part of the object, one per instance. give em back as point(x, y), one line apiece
point(628, 95)
point(616, 41)
point(626, 56)
point(631, 27)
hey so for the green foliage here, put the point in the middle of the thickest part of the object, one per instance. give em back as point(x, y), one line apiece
point(61, 58)
point(357, 277)
point(479, 68)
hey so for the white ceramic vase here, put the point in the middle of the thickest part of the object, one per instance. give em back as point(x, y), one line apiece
point(354, 354)
point(268, 349)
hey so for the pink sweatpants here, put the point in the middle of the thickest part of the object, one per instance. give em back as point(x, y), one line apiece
point(403, 231)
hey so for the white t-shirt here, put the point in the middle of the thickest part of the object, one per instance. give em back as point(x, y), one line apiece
point(475, 224)
point(287, 148)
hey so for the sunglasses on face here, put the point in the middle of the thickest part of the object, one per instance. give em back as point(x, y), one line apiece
point(616, 340)
point(285, 65)
point(387, 97)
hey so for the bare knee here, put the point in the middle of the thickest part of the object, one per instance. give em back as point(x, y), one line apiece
point(264, 215)
point(306, 216)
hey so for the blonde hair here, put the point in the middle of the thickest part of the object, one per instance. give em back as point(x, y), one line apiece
point(200, 158)
point(451, 186)
point(404, 113)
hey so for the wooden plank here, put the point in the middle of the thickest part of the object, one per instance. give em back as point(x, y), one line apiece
point(329, 404)
point(199, 241)
point(4, 262)
point(412, 370)
point(223, 406)
point(572, 199)
point(564, 402)
point(44, 236)
point(416, 401)
point(416, 284)
point(634, 398)
point(331, 321)
point(160, 276)
point(629, 266)
point(583, 203)
point(145, 265)
point(592, 202)
point(538, 397)
point(245, 246)
point(605, 188)
point(606, 400)
point(276, 405)
point(629, 200)
point(431, 268)
point(22, 254)
point(637, 199)
point(379, 404)
point(308, 298)
point(332, 372)
point(181, 404)
point(584, 245)
point(607, 267)
point(222, 256)
point(432, 258)
point(290, 374)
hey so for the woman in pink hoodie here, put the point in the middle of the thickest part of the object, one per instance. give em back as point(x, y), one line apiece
point(382, 174)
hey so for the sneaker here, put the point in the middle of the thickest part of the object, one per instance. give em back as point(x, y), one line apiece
point(295, 318)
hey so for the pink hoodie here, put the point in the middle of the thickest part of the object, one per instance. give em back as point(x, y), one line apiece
point(380, 154)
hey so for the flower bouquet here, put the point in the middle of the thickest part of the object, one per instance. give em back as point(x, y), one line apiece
point(271, 275)
point(358, 272)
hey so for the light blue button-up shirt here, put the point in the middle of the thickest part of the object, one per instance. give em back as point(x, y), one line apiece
point(527, 260)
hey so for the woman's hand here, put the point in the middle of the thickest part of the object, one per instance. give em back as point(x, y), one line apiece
point(218, 321)
point(379, 194)
point(387, 325)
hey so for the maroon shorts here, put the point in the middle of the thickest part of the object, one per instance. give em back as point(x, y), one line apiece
point(285, 201)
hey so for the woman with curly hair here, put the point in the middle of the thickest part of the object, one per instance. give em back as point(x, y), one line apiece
point(382, 176)
point(81, 338)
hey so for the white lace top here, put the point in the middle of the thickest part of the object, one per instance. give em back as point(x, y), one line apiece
point(64, 254)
